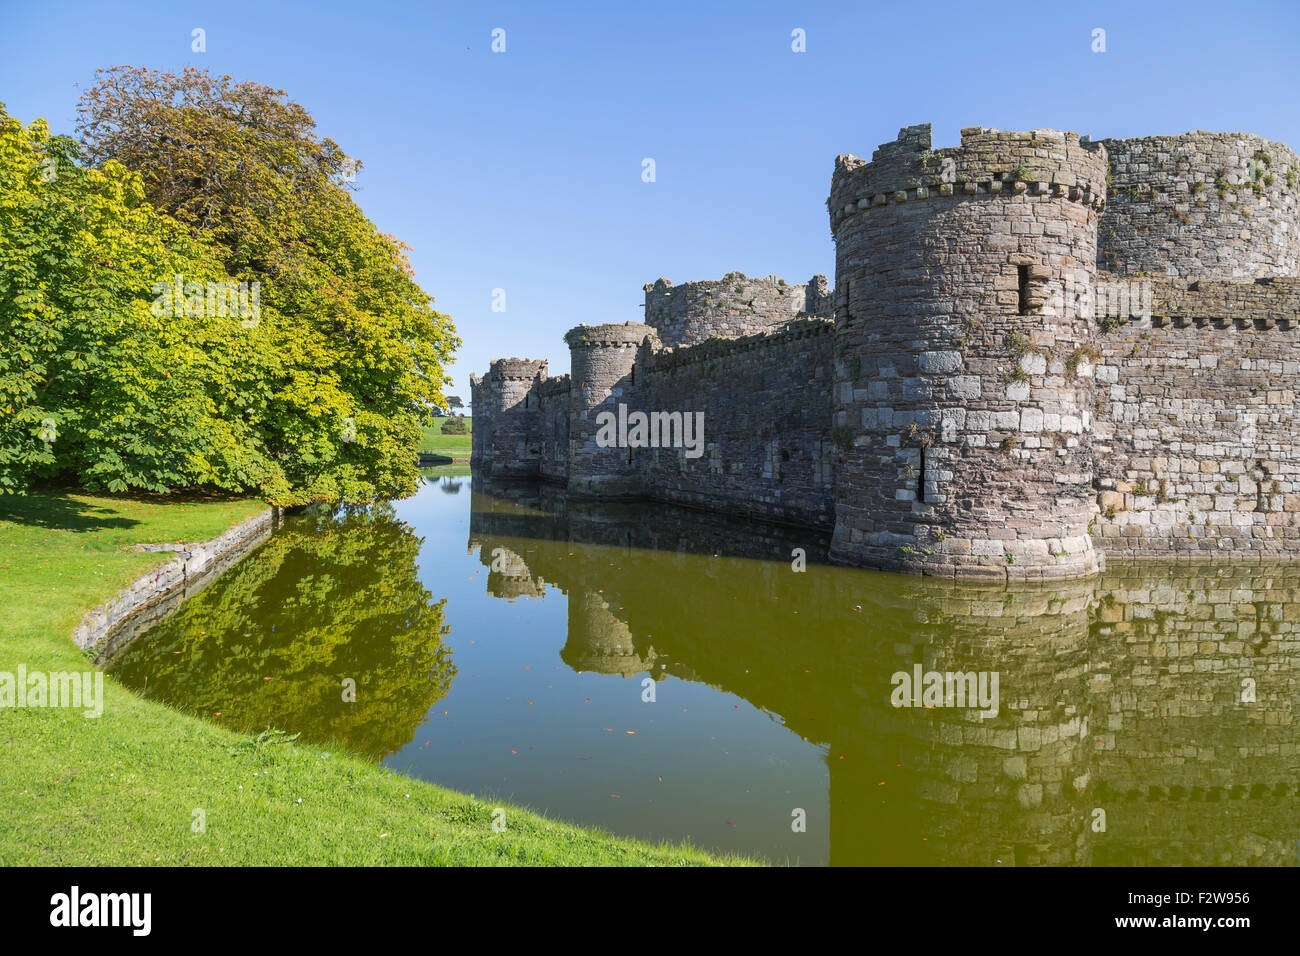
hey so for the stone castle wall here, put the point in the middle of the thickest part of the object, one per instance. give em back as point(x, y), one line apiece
point(766, 402)
point(730, 307)
point(506, 392)
point(1196, 444)
point(1212, 205)
point(553, 428)
point(603, 360)
point(976, 397)
point(765, 398)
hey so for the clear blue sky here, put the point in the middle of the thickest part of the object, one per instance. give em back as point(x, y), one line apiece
point(522, 170)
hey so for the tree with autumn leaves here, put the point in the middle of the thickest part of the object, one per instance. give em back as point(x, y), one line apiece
point(198, 181)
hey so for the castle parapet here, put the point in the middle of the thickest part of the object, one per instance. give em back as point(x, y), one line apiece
point(990, 162)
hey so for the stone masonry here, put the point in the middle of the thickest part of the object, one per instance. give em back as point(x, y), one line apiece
point(1040, 349)
point(730, 307)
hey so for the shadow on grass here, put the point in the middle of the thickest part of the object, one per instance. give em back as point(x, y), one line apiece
point(60, 513)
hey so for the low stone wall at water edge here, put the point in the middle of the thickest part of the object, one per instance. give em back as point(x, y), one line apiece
point(157, 594)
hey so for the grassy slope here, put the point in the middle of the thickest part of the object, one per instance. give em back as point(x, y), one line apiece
point(455, 446)
point(121, 789)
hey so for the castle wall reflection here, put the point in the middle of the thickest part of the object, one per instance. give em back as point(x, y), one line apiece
point(1157, 700)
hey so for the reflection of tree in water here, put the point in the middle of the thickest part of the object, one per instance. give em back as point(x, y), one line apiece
point(450, 485)
point(270, 644)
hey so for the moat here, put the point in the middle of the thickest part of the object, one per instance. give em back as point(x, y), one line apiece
point(501, 642)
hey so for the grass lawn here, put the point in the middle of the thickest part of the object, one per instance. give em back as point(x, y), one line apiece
point(122, 789)
point(453, 446)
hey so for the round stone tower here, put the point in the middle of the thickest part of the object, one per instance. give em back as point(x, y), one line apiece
point(480, 442)
point(513, 451)
point(963, 361)
point(603, 363)
point(1202, 205)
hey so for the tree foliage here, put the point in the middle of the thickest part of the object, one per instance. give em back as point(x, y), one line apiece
point(320, 397)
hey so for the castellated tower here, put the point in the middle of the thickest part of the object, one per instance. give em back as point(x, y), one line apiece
point(962, 375)
point(1202, 206)
point(512, 415)
point(603, 362)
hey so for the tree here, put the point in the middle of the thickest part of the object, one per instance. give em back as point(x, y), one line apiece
point(454, 402)
point(92, 381)
point(355, 352)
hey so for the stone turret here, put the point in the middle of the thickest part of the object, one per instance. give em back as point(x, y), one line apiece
point(963, 400)
point(603, 362)
point(512, 416)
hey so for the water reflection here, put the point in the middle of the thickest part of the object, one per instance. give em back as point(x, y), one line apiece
point(1145, 717)
point(330, 598)
point(1122, 736)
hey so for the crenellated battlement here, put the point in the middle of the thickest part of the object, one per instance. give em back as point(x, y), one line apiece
point(555, 386)
point(1040, 349)
point(610, 335)
point(989, 162)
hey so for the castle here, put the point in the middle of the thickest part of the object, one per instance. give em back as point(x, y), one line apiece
point(1039, 350)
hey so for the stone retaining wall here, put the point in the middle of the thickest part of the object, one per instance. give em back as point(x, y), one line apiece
point(157, 594)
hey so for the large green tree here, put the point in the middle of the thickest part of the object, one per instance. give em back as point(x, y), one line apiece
point(320, 396)
point(91, 380)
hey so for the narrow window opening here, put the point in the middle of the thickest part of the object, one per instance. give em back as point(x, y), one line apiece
point(920, 479)
point(632, 380)
point(1022, 273)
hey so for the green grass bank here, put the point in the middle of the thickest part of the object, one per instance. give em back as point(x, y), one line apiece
point(433, 441)
point(124, 788)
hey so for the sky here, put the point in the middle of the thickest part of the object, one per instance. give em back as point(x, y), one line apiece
point(522, 170)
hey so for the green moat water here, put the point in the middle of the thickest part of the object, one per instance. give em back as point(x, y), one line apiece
point(500, 642)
